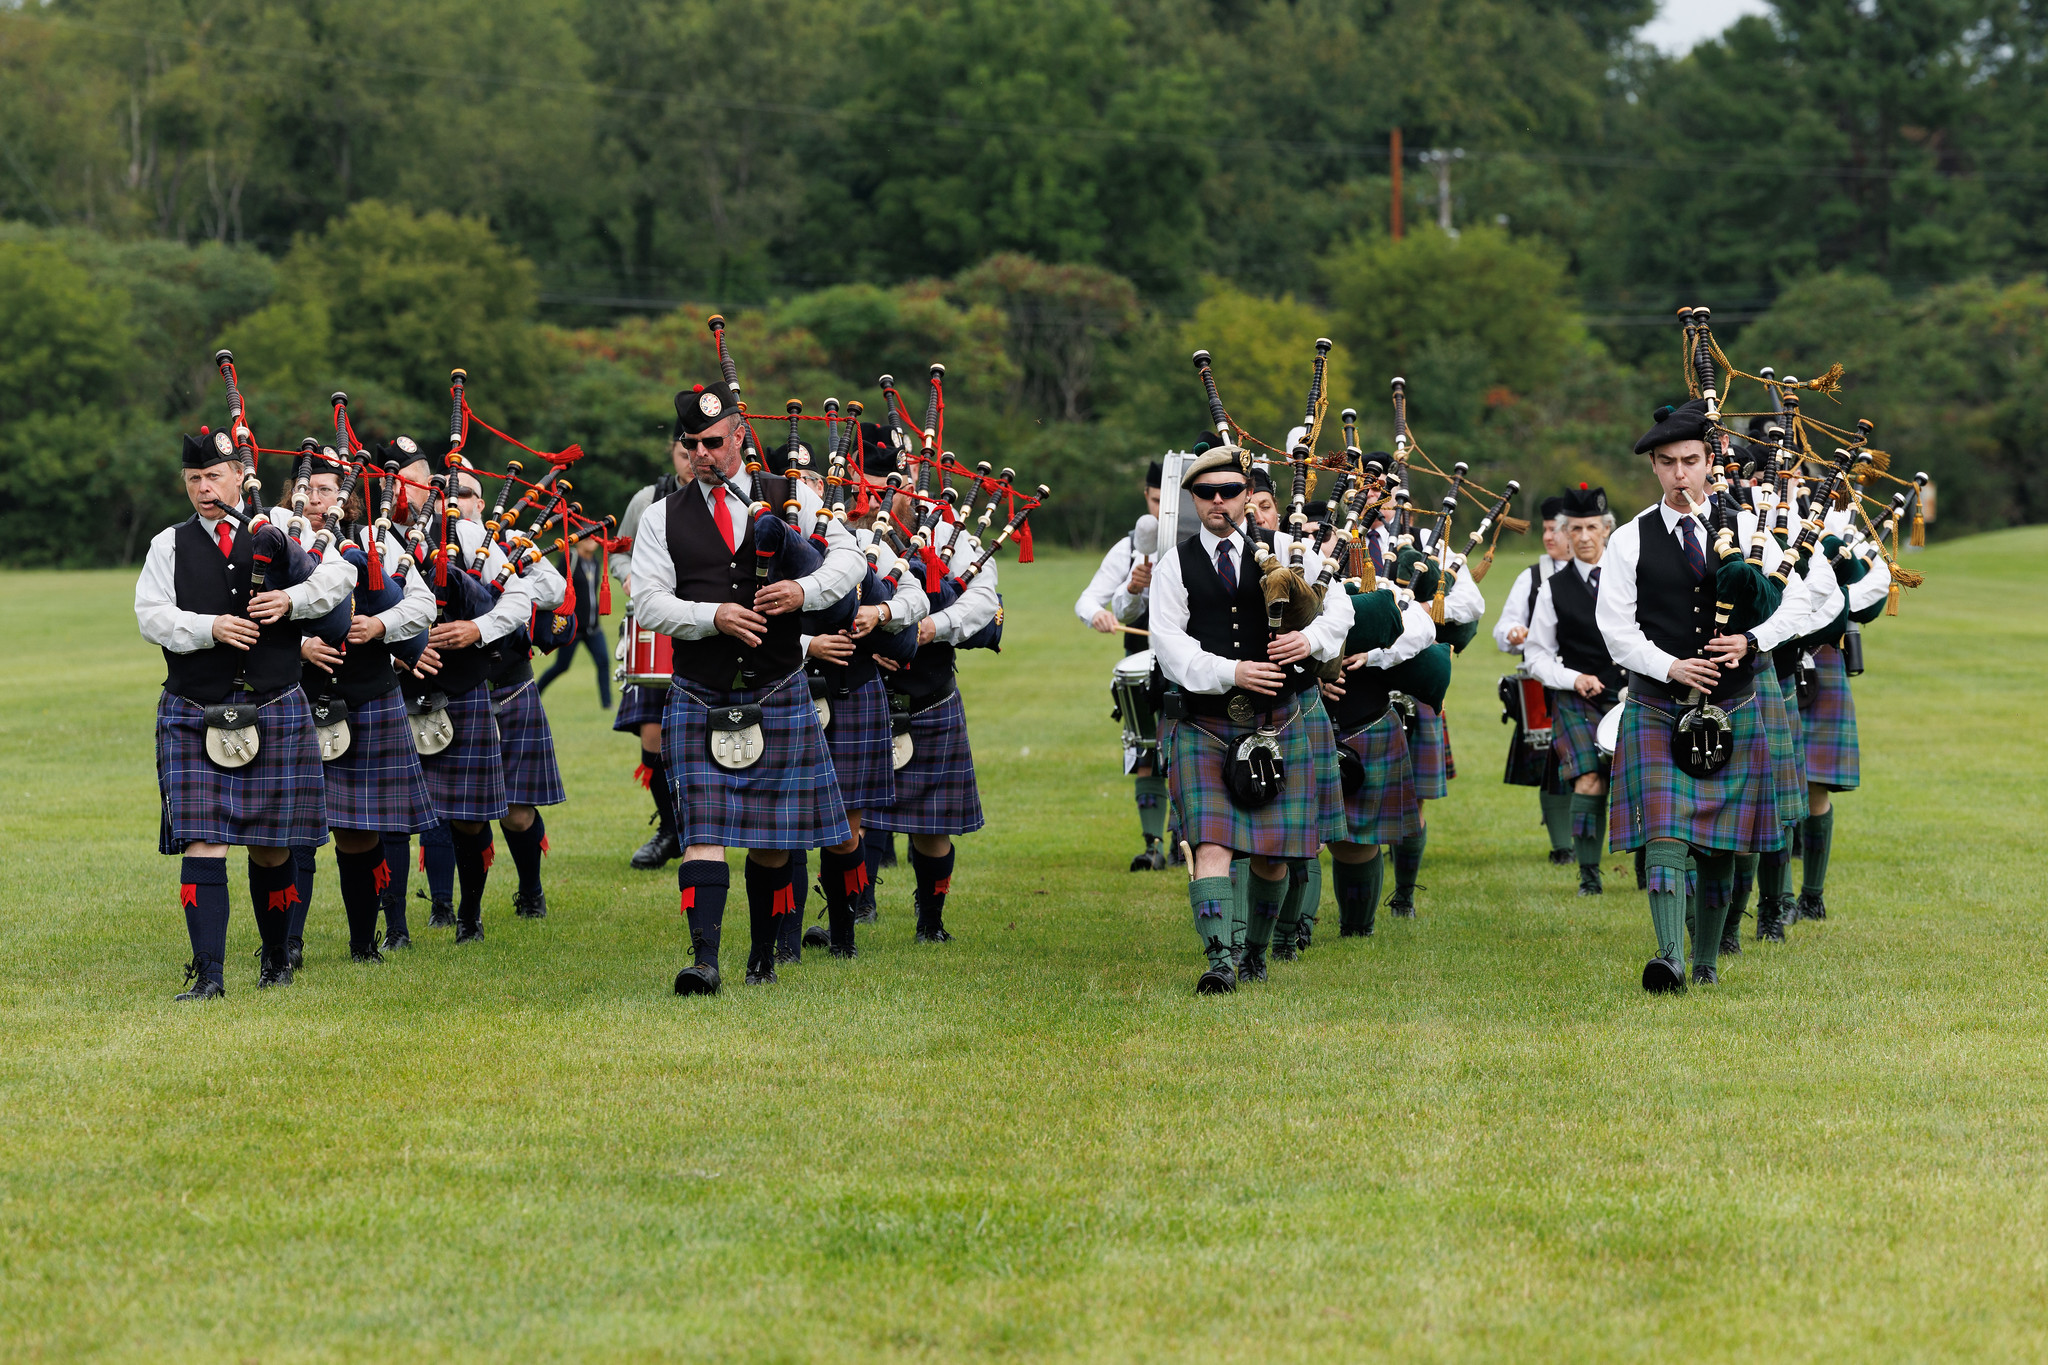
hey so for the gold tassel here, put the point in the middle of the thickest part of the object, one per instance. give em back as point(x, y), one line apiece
point(1485, 563)
point(1919, 526)
point(1436, 607)
point(1891, 599)
point(1507, 523)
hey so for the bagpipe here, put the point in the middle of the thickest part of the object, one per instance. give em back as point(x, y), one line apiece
point(280, 561)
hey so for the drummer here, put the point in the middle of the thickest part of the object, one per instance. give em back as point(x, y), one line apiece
point(1565, 652)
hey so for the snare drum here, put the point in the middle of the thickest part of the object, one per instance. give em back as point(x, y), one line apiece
point(1130, 684)
point(644, 656)
point(1608, 735)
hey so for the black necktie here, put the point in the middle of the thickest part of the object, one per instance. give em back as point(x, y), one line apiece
point(1593, 580)
point(1695, 552)
point(1226, 568)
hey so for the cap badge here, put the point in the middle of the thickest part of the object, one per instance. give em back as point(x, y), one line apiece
point(222, 444)
point(708, 404)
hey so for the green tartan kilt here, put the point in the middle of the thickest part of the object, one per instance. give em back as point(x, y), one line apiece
point(1780, 702)
point(1334, 826)
point(1384, 809)
point(1429, 752)
point(1734, 811)
point(1290, 826)
point(1829, 726)
point(1575, 734)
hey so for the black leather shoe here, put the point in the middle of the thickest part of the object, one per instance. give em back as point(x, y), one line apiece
point(530, 907)
point(443, 916)
point(1284, 949)
point(1561, 857)
point(1153, 859)
point(295, 954)
point(1661, 975)
point(1731, 935)
point(784, 956)
point(275, 971)
point(1811, 906)
point(1303, 935)
point(469, 930)
point(697, 981)
point(367, 953)
point(933, 933)
point(1254, 968)
point(393, 942)
point(866, 914)
point(658, 852)
point(202, 981)
point(844, 950)
point(1218, 980)
point(1589, 881)
point(817, 936)
point(1770, 919)
point(1354, 931)
point(761, 971)
point(1705, 976)
point(1402, 906)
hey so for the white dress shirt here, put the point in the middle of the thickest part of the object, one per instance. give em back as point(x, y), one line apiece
point(653, 581)
point(1111, 575)
point(164, 623)
point(1183, 659)
point(908, 606)
point(1418, 633)
point(413, 612)
point(977, 606)
point(1539, 651)
point(1514, 611)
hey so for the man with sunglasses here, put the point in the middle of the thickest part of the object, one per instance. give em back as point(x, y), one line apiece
point(1234, 679)
point(745, 754)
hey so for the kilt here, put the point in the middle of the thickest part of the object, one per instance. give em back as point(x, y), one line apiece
point(935, 791)
point(276, 800)
point(1734, 811)
point(1575, 735)
point(788, 799)
point(467, 779)
point(1290, 826)
point(1429, 752)
point(638, 706)
point(378, 784)
point(1335, 825)
point(1384, 809)
point(859, 740)
point(1781, 723)
point(1829, 726)
point(526, 747)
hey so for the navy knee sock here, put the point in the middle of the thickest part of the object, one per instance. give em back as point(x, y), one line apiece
point(437, 858)
point(473, 853)
point(526, 846)
point(357, 873)
point(704, 886)
point(841, 875)
point(1408, 862)
point(770, 897)
point(271, 893)
point(305, 860)
point(934, 880)
point(657, 785)
point(203, 891)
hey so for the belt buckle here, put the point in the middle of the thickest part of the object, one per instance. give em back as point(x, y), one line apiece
point(1238, 708)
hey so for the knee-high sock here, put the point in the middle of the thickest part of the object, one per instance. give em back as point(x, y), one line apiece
point(357, 873)
point(769, 897)
point(1773, 876)
point(1820, 838)
point(526, 846)
point(1664, 867)
point(934, 880)
point(704, 886)
point(1716, 886)
point(1304, 890)
point(391, 893)
point(305, 860)
point(1358, 892)
point(841, 875)
point(1408, 862)
point(1266, 898)
point(789, 930)
point(1557, 816)
point(398, 855)
point(1589, 822)
point(1211, 898)
point(1312, 894)
point(1152, 807)
point(881, 849)
point(657, 785)
point(1745, 878)
point(437, 859)
point(203, 892)
point(272, 893)
point(1240, 901)
point(473, 868)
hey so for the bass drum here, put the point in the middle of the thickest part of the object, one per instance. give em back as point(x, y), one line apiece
point(644, 656)
point(1608, 735)
point(1130, 686)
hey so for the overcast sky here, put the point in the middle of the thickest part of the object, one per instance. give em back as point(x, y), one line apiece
point(1681, 23)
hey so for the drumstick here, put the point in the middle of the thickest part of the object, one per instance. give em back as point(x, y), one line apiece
point(1132, 630)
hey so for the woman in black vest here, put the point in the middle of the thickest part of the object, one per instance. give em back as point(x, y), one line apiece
point(231, 643)
point(738, 686)
point(1567, 654)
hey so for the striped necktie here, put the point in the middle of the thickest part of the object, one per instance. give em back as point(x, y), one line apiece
point(1695, 552)
point(1226, 568)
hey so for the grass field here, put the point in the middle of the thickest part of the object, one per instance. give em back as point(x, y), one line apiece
point(1471, 1136)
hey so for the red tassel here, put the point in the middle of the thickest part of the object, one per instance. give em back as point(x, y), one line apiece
point(281, 901)
point(188, 894)
point(644, 775)
point(1024, 543)
point(375, 578)
point(568, 607)
point(933, 570)
point(785, 901)
point(689, 899)
point(604, 596)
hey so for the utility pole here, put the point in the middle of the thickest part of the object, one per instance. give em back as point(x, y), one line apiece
point(1440, 161)
point(1394, 166)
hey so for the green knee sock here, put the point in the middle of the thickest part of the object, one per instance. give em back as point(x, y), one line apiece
point(1773, 876)
point(1358, 892)
point(1210, 898)
point(1304, 889)
point(1266, 898)
point(1557, 816)
point(1408, 862)
point(1589, 818)
point(1716, 885)
point(1692, 894)
point(1745, 878)
point(1664, 865)
point(1152, 807)
point(1820, 833)
point(1240, 901)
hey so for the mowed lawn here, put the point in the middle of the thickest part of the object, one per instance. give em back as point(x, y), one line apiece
point(1471, 1136)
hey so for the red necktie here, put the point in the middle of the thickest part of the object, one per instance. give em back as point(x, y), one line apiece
point(723, 520)
point(227, 539)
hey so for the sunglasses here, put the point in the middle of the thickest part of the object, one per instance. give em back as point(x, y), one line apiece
point(1218, 492)
point(708, 442)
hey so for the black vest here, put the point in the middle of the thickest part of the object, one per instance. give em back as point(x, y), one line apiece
point(1232, 627)
point(215, 586)
point(1675, 611)
point(1579, 642)
point(1364, 700)
point(706, 573)
point(513, 662)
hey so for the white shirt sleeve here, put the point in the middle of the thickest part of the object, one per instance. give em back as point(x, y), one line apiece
point(514, 607)
point(333, 579)
point(1872, 587)
point(1325, 634)
point(653, 585)
point(414, 612)
point(1616, 610)
point(1418, 633)
point(910, 604)
point(975, 607)
point(550, 588)
point(844, 565)
point(1181, 658)
point(1539, 651)
point(1463, 601)
point(1110, 575)
point(156, 601)
point(1513, 612)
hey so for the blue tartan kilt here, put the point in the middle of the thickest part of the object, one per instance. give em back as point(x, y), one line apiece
point(1429, 750)
point(1384, 809)
point(527, 747)
point(639, 706)
point(378, 784)
point(276, 800)
point(1575, 734)
point(1734, 811)
point(1334, 826)
point(788, 799)
point(935, 790)
point(1780, 702)
point(860, 743)
point(1832, 758)
point(1289, 826)
point(467, 779)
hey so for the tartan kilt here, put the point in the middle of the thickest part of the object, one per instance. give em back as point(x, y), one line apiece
point(1780, 704)
point(788, 799)
point(467, 779)
point(378, 784)
point(1829, 726)
point(638, 706)
point(276, 800)
point(1734, 811)
point(1335, 822)
point(1384, 809)
point(1574, 736)
point(935, 791)
point(1429, 752)
point(1290, 826)
point(526, 747)
point(861, 747)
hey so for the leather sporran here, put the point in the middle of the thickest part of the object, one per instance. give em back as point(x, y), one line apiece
point(330, 727)
point(433, 729)
point(1255, 773)
point(231, 739)
point(736, 738)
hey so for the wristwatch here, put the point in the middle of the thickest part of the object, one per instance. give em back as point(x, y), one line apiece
point(1749, 639)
